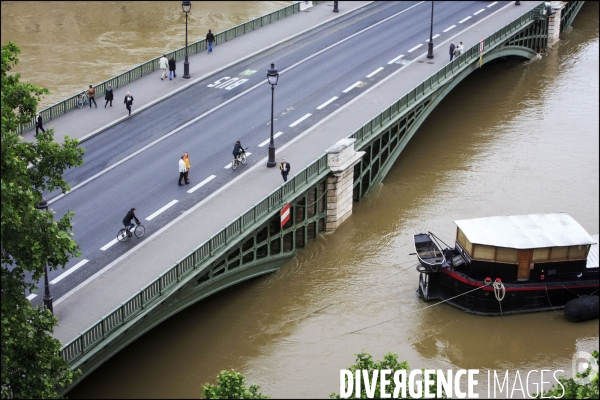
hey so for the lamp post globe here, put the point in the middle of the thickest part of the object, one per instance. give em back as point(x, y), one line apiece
point(43, 206)
point(272, 78)
point(186, 6)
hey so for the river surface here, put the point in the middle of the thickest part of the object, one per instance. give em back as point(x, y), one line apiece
point(513, 138)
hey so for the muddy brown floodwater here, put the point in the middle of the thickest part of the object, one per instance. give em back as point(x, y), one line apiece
point(514, 138)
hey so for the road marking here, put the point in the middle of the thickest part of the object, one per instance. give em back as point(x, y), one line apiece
point(174, 131)
point(108, 245)
point(463, 20)
point(493, 4)
point(301, 119)
point(352, 87)
point(479, 12)
point(151, 217)
point(447, 29)
point(31, 296)
point(374, 72)
point(274, 137)
point(334, 98)
point(204, 182)
point(434, 36)
point(416, 47)
point(68, 272)
point(247, 155)
point(396, 59)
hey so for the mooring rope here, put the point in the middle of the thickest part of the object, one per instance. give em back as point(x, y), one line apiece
point(421, 309)
point(548, 297)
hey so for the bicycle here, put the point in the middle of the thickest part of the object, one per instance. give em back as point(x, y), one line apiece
point(83, 100)
point(240, 159)
point(139, 231)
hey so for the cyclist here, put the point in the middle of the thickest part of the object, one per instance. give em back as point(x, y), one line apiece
point(237, 149)
point(127, 220)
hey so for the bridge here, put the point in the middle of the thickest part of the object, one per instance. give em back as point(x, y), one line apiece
point(354, 88)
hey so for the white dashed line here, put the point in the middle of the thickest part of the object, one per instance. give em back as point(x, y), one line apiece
point(334, 98)
point(108, 245)
point(204, 182)
point(396, 59)
point(374, 72)
point(68, 272)
point(157, 213)
point(31, 296)
point(351, 87)
point(463, 20)
point(433, 37)
point(493, 4)
point(247, 155)
point(269, 139)
point(479, 12)
point(416, 47)
point(301, 119)
point(447, 29)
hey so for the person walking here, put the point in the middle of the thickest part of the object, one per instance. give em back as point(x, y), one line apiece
point(210, 38)
point(91, 94)
point(186, 160)
point(108, 96)
point(172, 67)
point(285, 169)
point(38, 123)
point(452, 47)
point(128, 102)
point(163, 64)
point(182, 170)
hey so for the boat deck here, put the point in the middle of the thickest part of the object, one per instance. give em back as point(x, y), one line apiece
point(592, 259)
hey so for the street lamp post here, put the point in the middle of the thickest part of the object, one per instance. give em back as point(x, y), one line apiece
point(272, 78)
point(430, 47)
point(187, 6)
point(43, 206)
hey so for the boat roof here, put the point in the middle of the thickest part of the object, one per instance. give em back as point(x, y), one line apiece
point(592, 260)
point(525, 231)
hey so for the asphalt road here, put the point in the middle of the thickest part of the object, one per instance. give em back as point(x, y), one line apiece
point(135, 163)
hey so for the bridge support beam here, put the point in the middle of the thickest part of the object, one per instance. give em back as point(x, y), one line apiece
point(554, 22)
point(341, 158)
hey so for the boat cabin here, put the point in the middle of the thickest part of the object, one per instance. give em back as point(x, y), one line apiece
point(534, 247)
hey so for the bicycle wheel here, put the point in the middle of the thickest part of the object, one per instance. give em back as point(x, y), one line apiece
point(243, 158)
point(80, 102)
point(234, 164)
point(139, 231)
point(122, 235)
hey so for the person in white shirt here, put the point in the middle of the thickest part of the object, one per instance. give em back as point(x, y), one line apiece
point(182, 169)
point(163, 63)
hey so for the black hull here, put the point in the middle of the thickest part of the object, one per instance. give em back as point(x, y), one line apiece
point(458, 291)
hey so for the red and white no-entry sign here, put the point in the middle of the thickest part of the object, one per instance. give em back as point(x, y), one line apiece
point(285, 214)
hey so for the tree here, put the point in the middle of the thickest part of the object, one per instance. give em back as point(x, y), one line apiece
point(232, 385)
point(364, 361)
point(31, 364)
point(573, 390)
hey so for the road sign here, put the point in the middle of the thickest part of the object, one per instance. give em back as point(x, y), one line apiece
point(285, 214)
point(481, 46)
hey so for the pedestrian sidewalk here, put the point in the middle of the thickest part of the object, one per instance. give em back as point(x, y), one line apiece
point(85, 123)
point(107, 289)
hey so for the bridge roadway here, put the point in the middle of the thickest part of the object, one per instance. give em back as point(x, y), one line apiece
point(355, 61)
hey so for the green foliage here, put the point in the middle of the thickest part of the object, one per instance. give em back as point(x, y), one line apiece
point(573, 390)
point(31, 364)
point(364, 361)
point(232, 385)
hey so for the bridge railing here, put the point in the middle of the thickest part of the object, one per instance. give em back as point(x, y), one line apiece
point(148, 67)
point(198, 258)
point(194, 261)
point(442, 76)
